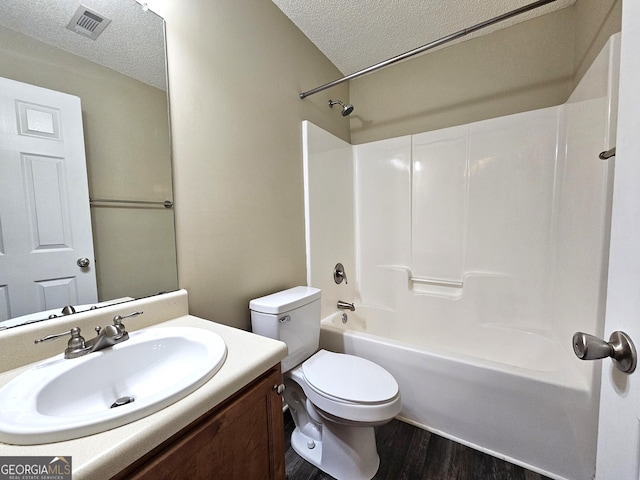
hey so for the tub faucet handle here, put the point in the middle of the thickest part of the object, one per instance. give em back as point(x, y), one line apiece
point(619, 347)
point(339, 274)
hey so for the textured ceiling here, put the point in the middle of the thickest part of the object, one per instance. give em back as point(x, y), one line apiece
point(133, 43)
point(355, 34)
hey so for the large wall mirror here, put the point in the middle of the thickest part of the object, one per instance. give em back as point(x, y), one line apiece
point(120, 78)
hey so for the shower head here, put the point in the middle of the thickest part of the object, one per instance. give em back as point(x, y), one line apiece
point(346, 109)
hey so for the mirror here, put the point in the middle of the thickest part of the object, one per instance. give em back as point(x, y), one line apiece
point(120, 78)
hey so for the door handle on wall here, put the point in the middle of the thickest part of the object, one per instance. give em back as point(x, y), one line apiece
point(619, 347)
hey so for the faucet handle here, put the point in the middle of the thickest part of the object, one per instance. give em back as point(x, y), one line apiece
point(117, 320)
point(76, 341)
point(339, 274)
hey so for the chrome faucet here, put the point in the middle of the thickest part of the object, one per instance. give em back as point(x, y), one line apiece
point(105, 337)
point(66, 310)
point(346, 306)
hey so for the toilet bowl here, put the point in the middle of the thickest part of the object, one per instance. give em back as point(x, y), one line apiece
point(335, 399)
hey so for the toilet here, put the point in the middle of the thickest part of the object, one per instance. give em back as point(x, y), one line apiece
point(335, 399)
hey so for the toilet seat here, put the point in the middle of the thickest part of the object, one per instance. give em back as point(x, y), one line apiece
point(349, 378)
point(349, 387)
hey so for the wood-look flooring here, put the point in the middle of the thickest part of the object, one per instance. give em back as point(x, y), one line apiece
point(409, 453)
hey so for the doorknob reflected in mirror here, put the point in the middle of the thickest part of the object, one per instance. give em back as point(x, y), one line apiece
point(619, 347)
point(83, 262)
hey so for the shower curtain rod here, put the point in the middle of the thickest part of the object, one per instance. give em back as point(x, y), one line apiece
point(428, 46)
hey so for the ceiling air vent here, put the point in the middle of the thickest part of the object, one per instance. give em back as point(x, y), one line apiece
point(88, 22)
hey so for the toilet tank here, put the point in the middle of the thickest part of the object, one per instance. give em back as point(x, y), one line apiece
point(291, 316)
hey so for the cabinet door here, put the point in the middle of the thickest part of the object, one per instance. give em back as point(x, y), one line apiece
point(243, 439)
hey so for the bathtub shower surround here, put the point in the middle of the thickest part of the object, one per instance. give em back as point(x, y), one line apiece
point(477, 251)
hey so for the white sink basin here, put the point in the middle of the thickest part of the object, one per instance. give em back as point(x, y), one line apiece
point(61, 399)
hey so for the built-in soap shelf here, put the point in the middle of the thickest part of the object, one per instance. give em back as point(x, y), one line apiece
point(486, 284)
point(428, 286)
point(433, 286)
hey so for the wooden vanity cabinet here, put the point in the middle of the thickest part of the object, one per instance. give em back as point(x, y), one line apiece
point(242, 438)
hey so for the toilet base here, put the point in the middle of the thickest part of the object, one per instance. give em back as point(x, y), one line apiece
point(345, 452)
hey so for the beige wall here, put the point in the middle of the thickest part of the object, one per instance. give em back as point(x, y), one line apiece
point(530, 65)
point(128, 156)
point(236, 68)
point(515, 69)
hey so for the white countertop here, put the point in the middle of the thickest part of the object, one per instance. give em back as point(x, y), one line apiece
point(102, 455)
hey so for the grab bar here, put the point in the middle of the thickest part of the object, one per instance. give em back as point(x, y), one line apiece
point(607, 154)
point(165, 204)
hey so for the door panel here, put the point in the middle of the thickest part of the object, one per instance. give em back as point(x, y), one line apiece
point(49, 212)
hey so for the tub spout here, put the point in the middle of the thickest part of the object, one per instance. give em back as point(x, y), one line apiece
point(346, 306)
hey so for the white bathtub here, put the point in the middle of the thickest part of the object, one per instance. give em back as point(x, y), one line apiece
point(513, 394)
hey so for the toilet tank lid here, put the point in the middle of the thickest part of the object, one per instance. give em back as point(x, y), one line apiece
point(286, 300)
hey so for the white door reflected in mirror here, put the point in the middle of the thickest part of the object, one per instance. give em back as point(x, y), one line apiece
point(44, 202)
